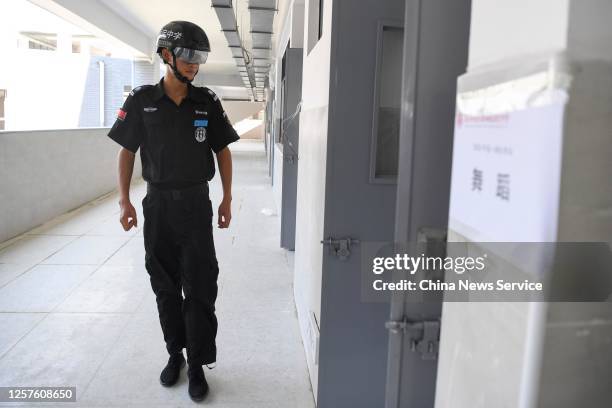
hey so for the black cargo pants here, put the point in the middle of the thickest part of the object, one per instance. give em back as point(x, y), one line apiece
point(180, 254)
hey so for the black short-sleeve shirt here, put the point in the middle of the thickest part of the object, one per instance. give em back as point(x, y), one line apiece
point(176, 142)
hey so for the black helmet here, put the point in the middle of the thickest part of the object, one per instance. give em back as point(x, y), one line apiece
point(184, 40)
point(182, 34)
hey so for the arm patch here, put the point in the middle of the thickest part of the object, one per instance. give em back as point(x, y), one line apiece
point(139, 88)
point(214, 95)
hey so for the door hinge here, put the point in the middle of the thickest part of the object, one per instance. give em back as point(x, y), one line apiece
point(340, 247)
point(424, 335)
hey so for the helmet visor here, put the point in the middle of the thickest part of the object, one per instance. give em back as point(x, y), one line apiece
point(191, 56)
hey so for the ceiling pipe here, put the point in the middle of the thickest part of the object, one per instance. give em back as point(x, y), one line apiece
point(262, 13)
point(229, 26)
point(253, 65)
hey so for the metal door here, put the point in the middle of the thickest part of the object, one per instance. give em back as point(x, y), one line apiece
point(290, 131)
point(359, 204)
point(435, 54)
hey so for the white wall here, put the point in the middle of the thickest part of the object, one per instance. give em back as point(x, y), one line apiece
point(507, 29)
point(239, 110)
point(47, 173)
point(311, 186)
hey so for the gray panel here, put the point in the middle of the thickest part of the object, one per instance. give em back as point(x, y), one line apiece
point(261, 20)
point(236, 52)
point(270, 4)
point(258, 62)
point(233, 39)
point(261, 52)
point(226, 17)
point(222, 3)
point(261, 39)
point(292, 96)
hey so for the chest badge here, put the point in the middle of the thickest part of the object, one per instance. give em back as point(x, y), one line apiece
point(200, 134)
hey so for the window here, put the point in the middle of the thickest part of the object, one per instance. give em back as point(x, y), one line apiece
point(41, 41)
point(126, 91)
point(387, 100)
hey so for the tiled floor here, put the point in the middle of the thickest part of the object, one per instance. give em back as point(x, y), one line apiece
point(76, 307)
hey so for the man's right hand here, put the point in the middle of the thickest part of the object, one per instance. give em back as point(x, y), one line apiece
point(128, 216)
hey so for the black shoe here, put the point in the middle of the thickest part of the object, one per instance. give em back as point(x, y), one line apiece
point(198, 387)
point(170, 374)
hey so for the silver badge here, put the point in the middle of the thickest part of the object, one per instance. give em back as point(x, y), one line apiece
point(200, 134)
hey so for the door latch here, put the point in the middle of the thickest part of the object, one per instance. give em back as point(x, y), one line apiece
point(428, 234)
point(424, 335)
point(340, 247)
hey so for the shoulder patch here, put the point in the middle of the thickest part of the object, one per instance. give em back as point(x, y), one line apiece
point(214, 96)
point(139, 89)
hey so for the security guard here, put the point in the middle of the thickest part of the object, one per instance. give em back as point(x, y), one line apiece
point(177, 127)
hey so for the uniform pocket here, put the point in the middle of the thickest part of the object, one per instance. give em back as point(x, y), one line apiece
point(154, 126)
point(151, 118)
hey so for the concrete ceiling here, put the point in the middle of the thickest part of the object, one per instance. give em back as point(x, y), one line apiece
point(136, 23)
point(150, 15)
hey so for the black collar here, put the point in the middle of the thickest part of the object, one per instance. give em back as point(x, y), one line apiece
point(158, 92)
point(193, 93)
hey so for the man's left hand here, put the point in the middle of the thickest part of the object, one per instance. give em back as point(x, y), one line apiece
point(225, 213)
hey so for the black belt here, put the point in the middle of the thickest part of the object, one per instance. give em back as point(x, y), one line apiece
point(178, 193)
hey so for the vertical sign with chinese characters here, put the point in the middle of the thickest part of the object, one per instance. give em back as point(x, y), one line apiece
point(506, 175)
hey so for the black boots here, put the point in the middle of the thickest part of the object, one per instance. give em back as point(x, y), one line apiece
point(170, 374)
point(198, 387)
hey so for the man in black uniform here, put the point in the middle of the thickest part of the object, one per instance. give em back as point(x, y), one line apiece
point(177, 127)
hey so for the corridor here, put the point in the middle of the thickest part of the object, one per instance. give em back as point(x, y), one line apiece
point(76, 306)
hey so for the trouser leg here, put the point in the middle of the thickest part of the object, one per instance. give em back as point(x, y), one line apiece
point(200, 271)
point(163, 267)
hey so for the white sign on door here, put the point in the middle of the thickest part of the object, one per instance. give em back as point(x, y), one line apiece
point(506, 175)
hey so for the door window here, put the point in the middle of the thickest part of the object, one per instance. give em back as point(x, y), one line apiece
point(387, 100)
